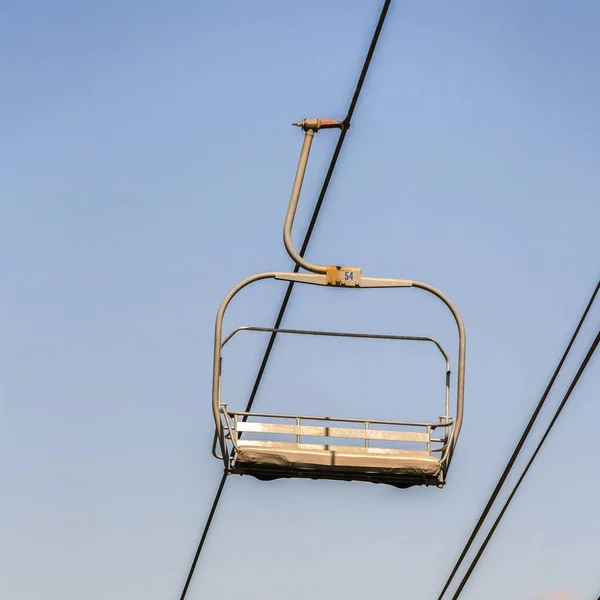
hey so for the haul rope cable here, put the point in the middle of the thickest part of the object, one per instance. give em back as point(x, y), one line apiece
point(290, 287)
point(520, 444)
point(566, 397)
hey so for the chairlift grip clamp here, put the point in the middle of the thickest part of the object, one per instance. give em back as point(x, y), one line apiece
point(315, 124)
point(343, 276)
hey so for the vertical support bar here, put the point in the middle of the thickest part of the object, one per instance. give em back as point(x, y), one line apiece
point(446, 457)
point(445, 420)
point(447, 415)
point(366, 438)
point(310, 127)
point(429, 440)
point(291, 212)
point(298, 422)
point(216, 384)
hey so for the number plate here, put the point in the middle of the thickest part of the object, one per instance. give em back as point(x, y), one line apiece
point(349, 276)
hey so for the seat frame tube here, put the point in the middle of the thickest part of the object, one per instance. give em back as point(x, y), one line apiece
point(319, 279)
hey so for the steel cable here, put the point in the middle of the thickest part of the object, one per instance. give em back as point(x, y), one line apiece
point(520, 444)
point(566, 397)
point(320, 199)
point(290, 287)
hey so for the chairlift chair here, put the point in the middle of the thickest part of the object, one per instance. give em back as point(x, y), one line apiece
point(313, 445)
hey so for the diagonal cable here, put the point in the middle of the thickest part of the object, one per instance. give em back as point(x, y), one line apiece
point(288, 293)
point(519, 446)
point(566, 397)
point(204, 534)
point(319, 203)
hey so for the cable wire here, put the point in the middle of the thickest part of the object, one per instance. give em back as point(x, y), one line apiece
point(568, 393)
point(290, 287)
point(519, 446)
point(320, 199)
point(204, 534)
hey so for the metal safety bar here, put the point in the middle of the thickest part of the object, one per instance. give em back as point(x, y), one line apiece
point(372, 336)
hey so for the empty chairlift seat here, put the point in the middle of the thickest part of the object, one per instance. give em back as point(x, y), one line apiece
point(272, 446)
point(332, 458)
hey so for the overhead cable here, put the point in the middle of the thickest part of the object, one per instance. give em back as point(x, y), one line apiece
point(320, 199)
point(559, 410)
point(288, 292)
point(518, 448)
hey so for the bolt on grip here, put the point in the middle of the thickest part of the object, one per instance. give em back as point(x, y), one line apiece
point(316, 124)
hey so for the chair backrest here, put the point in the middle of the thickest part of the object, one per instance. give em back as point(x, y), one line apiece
point(328, 432)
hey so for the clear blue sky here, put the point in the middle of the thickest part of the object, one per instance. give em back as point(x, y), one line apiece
point(146, 161)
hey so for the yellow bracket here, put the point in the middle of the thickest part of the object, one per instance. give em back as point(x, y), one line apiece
point(347, 276)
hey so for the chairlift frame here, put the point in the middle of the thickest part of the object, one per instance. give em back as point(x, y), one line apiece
point(266, 459)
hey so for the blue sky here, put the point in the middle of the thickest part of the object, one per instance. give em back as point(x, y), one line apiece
point(146, 163)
